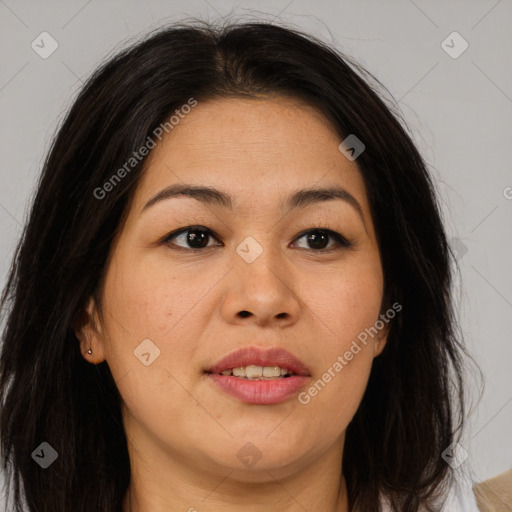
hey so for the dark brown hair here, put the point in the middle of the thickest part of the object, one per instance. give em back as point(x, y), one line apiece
point(413, 405)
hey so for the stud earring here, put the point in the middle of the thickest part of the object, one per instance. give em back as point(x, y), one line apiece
point(89, 351)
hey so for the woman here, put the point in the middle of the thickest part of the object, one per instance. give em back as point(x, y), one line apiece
point(233, 292)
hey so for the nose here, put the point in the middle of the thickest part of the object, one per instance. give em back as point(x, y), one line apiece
point(263, 292)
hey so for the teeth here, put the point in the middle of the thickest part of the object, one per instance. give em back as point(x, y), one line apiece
point(253, 372)
point(239, 372)
point(271, 371)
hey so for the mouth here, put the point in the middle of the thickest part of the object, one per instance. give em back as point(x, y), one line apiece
point(256, 363)
point(258, 376)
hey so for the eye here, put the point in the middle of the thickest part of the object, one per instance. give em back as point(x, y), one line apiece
point(196, 237)
point(318, 238)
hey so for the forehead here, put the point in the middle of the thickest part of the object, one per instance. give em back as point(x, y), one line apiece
point(255, 149)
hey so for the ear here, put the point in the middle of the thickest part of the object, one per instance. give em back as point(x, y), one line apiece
point(381, 339)
point(87, 328)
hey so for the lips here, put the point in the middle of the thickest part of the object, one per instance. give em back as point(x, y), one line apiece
point(260, 357)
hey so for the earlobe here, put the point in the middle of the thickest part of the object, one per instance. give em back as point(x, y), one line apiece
point(380, 341)
point(379, 347)
point(87, 329)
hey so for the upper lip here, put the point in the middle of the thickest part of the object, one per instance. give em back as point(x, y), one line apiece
point(273, 356)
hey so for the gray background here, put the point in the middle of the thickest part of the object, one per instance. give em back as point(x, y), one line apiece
point(458, 109)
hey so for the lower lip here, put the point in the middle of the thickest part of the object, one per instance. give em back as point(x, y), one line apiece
point(261, 392)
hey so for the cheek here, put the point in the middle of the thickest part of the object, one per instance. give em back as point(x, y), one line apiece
point(148, 298)
point(146, 303)
point(346, 303)
point(345, 307)
point(149, 301)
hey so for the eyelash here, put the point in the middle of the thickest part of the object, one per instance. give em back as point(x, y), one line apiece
point(341, 241)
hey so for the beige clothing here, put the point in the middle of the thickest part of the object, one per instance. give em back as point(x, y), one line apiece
point(495, 494)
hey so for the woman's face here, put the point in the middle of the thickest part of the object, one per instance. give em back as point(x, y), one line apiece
point(249, 278)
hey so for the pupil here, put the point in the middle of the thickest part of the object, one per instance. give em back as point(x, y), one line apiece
point(318, 240)
point(198, 237)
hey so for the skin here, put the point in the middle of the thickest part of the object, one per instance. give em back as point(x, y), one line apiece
point(183, 432)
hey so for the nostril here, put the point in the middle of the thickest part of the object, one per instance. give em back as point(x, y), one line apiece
point(244, 314)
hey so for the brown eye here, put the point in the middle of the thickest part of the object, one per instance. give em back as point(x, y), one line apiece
point(191, 237)
point(198, 237)
point(318, 240)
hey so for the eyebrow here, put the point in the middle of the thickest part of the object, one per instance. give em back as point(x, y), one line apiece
point(214, 197)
